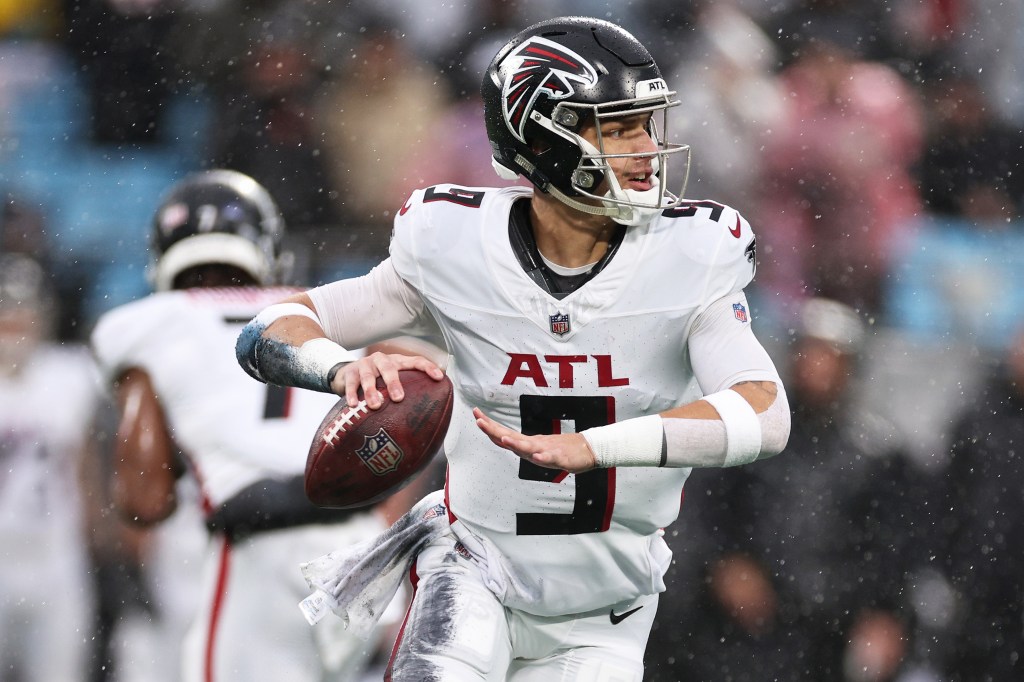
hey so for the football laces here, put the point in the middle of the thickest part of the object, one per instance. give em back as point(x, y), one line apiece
point(346, 418)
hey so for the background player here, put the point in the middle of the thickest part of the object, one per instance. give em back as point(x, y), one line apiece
point(186, 406)
point(49, 393)
point(597, 302)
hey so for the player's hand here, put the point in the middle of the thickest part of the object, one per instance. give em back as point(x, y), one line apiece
point(565, 451)
point(363, 374)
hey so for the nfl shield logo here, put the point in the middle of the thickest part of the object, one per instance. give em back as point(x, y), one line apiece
point(739, 312)
point(559, 324)
point(435, 511)
point(380, 453)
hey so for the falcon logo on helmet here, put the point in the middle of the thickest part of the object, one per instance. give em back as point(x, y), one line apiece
point(540, 66)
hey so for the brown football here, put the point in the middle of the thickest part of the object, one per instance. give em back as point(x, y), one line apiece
point(360, 456)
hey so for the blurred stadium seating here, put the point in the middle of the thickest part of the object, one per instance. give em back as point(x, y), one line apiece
point(958, 283)
point(97, 199)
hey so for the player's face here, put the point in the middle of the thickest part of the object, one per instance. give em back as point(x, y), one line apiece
point(626, 135)
point(213, 275)
point(20, 333)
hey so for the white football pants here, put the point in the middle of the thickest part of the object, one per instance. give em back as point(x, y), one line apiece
point(457, 631)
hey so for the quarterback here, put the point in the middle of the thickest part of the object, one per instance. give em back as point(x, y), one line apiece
point(601, 347)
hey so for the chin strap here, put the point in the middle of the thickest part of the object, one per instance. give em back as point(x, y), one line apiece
point(629, 211)
point(641, 211)
point(621, 213)
point(618, 213)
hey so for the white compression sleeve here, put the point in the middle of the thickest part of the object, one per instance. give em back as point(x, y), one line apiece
point(741, 436)
point(705, 442)
point(363, 310)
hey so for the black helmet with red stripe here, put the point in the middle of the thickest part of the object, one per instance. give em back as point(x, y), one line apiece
point(553, 78)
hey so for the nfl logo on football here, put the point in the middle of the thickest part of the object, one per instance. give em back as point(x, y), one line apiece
point(380, 453)
point(559, 324)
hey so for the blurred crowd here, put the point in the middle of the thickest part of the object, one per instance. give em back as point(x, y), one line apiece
point(874, 145)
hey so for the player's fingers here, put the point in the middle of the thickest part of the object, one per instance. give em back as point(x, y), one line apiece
point(524, 446)
point(494, 439)
point(431, 370)
point(420, 363)
point(530, 449)
point(504, 437)
point(351, 382)
point(388, 366)
point(493, 429)
point(486, 427)
point(429, 367)
point(368, 373)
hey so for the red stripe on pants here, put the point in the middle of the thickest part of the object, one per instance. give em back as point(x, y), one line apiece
point(218, 602)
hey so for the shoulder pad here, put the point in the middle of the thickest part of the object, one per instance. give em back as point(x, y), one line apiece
point(125, 336)
point(717, 236)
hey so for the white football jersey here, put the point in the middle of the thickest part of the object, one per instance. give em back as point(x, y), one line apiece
point(46, 593)
point(45, 417)
point(614, 349)
point(234, 430)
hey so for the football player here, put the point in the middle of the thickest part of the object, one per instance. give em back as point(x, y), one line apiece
point(601, 346)
point(49, 394)
point(185, 406)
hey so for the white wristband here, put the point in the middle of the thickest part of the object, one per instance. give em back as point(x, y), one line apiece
point(742, 427)
point(272, 360)
point(319, 358)
point(630, 443)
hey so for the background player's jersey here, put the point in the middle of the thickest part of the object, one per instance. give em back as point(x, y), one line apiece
point(45, 417)
point(614, 349)
point(234, 430)
point(46, 598)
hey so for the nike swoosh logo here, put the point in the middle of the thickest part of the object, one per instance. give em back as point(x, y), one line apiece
point(408, 205)
point(735, 231)
point(617, 618)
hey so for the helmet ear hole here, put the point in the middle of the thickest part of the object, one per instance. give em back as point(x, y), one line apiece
point(567, 118)
point(583, 179)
